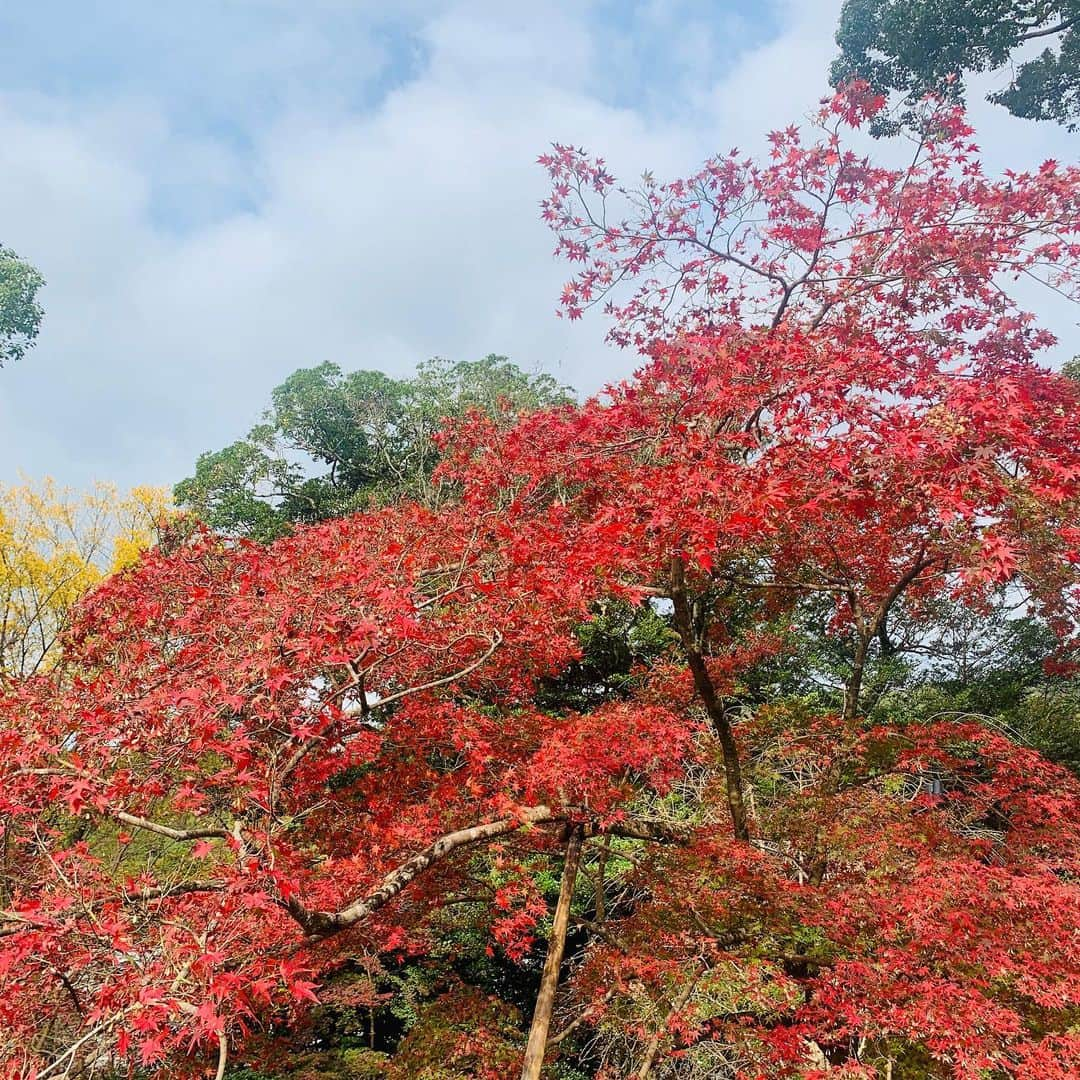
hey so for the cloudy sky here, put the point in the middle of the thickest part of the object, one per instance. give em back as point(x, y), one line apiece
point(221, 191)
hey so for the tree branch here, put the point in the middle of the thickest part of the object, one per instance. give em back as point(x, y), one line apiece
point(165, 830)
point(322, 924)
point(1049, 31)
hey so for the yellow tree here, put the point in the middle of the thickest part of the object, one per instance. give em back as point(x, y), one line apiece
point(55, 544)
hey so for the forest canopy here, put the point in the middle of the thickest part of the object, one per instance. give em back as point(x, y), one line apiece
point(332, 442)
point(915, 47)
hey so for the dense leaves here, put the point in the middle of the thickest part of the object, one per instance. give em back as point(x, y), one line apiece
point(20, 310)
point(56, 544)
point(370, 435)
point(916, 47)
point(379, 766)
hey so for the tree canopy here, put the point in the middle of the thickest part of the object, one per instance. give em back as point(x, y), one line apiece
point(55, 545)
point(915, 47)
point(332, 442)
point(20, 311)
point(518, 763)
point(820, 237)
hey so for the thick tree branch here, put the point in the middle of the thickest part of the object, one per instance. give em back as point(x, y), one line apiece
point(166, 830)
point(1049, 31)
point(321, 924)
point(324, 923)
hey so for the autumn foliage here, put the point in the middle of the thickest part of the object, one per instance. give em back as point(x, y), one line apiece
point(56, 544)
point(255, 764)
point(821, 238)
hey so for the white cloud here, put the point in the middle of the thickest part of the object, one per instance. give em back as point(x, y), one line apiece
point(190, 269)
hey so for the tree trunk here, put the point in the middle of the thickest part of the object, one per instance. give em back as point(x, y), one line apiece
point(549, 981)
point(703, 684)
point(854, 685)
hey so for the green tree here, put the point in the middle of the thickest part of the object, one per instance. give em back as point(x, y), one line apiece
point(332, 442)
point(20, 312)
point(916, 46)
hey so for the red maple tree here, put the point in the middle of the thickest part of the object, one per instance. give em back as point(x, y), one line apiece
point(821, 238)
point(254, 762)
point(738, 476)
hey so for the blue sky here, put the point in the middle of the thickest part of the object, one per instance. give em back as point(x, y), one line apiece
point(222, 191)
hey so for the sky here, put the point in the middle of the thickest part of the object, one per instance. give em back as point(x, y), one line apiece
point(220, 197)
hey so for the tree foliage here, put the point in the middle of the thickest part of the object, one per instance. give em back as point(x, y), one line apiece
point(55, 545)
point(392, 763)
point(302, 744)
point(914, 48)
point(20, 311)
point(821, 239)
point(333, 442)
